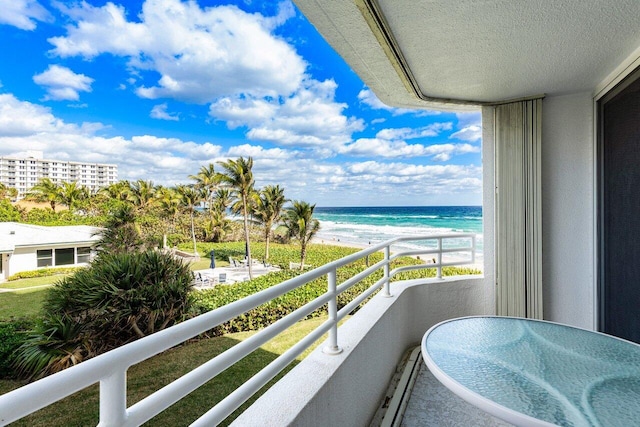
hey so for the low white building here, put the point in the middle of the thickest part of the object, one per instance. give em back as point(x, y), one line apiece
point(25, 247)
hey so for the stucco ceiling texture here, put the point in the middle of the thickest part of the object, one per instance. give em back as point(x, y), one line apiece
point(483, 51)
point(502, 49)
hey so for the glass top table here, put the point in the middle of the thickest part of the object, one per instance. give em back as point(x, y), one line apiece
point(537, 373)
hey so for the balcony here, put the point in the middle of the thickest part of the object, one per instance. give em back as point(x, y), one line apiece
point(360, 355)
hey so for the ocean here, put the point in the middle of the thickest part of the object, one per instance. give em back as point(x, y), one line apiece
point(370, 225)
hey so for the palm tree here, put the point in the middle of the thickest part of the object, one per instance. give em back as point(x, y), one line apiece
point(169, 201)
point(299, 221)
point(267, 208)
point(71, 193)
point(117, 191)
point(223, 199)
point(189, 198)
point(45, 191)
point(207, 180)
point(217, 227)
point(120, 233)
point(8, 192)
point(239, 177)
point(142, 194)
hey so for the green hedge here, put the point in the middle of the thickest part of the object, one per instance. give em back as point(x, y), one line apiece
point(43, 272)
point(277, 308)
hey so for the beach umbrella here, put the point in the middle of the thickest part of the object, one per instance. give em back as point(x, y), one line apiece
point(212, 254)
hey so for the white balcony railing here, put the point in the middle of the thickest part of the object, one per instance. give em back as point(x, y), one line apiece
point(109, 369)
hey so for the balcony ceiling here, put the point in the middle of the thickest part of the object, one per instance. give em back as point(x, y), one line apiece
point(428, 53)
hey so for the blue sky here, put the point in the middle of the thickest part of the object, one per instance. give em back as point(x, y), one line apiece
point(161, 87)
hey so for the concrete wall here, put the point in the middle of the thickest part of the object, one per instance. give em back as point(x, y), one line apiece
point(346, 389)
point(567, 210)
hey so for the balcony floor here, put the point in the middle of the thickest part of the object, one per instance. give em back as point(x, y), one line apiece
point(432, 404)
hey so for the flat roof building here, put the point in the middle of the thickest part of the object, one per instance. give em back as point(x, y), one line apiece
point(22, 173)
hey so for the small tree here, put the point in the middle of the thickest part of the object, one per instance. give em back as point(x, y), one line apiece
point(120, 233)
point(299, 221)
point(45, 191)
point(267, 208)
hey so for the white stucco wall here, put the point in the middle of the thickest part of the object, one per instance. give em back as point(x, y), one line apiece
point(23, 259)
point(346, 389)
point(567, 209)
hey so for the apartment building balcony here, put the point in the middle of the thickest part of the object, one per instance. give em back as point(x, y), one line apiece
point(393, 321)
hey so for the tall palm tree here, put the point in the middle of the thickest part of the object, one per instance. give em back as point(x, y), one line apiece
point(207, 180)
point(299, 221)
point(267, 208)
point(142, 194)
point(189, 199)
point(45, 191)
point(169, 201)
point(71, 193)
point(239, 177)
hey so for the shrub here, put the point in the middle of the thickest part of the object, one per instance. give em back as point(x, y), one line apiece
point(119, 298)
point(43, 272)
point(12, 334)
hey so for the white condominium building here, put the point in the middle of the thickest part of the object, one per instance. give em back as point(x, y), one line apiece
point(23, 173)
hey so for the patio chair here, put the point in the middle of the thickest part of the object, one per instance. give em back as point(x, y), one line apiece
point(222, 278)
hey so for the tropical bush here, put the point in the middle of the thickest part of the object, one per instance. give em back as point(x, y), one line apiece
point(12, 335)
point(119, 298)
point(43, 272)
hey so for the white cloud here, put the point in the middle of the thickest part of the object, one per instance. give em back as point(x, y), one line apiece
point(390, 143)
point(167, 161)
point(24, 125)
point(221, 56)
point(469, 125)
point(469, 133)
point(200, 54)
point(309, 117)
point(63, 84)
point(160, 112)
point(23, 13)
point(434, 129)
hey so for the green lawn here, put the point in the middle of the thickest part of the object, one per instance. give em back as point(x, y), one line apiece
point(34, 281)
point(154, 373)
point(24, 303)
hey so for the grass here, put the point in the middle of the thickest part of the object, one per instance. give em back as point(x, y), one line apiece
point(31, 282)
point(26, 303)
point(156, 372)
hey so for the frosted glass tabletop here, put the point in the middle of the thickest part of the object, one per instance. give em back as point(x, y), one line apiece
point(536, 373)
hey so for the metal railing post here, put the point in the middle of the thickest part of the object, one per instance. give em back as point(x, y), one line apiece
point(386, 290)
point(332, 347)
point(439, 269)
point(473, 249)
point(113, 400)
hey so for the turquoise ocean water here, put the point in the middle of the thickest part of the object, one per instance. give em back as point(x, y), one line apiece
point(370, 225)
